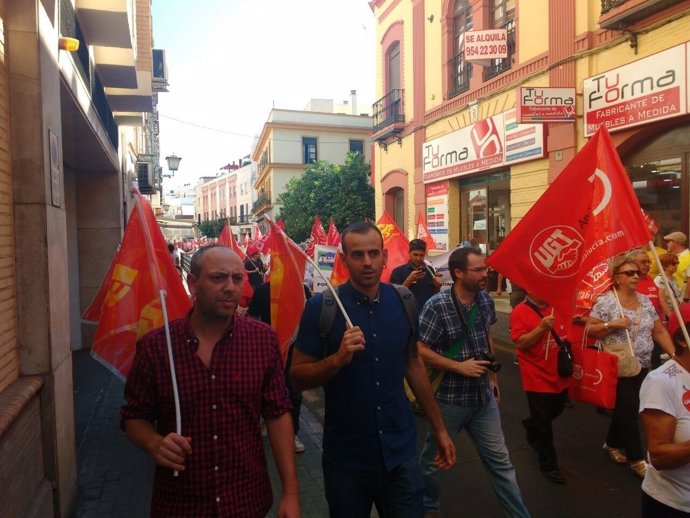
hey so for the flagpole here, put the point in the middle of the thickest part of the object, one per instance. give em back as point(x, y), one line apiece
point(627, 332)
point(674, 302)
point(164, 309)
point(328, 283)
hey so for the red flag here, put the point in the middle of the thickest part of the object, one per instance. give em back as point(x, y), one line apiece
point(263, 244)
point(287, 294)
point(227, 238)
point(92, 314)
point(596, 282)
point(333, 238)
point(588, 215)
point(317, 237)
point(257, 232)
point(281, 225)
point(132, 306)
point(247, 240)
point(423, 232)
point(652, 225)
point(395, 242)
point(340, 274)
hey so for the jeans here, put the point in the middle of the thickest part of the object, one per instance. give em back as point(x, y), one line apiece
point(624, 430)
point(483, 424)
point(396, 493)
point(543, 409)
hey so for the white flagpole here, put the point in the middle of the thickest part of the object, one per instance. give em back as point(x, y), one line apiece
point(162, 294)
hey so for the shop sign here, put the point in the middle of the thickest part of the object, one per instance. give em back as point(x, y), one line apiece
point(645, 91)
point(485, 45)
point(437, 213)
point(538, 104)
point(487, 144)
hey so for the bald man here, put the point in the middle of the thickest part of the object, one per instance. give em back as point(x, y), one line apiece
point(229, 373)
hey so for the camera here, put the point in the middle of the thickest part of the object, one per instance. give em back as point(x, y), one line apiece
point(493, 366)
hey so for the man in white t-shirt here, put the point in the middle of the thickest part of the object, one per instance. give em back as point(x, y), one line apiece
point(665, 409)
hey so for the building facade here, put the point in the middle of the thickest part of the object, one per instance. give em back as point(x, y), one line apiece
point(291, 139)
point(482, 104)
point(74, 128)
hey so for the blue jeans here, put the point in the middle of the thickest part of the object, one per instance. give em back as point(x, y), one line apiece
point(483, 424)
point(396, 493)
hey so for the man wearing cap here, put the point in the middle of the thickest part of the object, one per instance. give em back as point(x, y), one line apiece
point(677, 243)
point(416, 275)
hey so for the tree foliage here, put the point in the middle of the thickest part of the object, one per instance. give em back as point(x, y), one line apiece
point(328, 191)
point(211, 228)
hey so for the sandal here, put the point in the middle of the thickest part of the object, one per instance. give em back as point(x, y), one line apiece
point(616, 454)
point(639, 467)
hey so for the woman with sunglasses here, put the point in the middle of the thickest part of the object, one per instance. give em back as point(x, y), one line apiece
point(669, 263)
point(614, 312)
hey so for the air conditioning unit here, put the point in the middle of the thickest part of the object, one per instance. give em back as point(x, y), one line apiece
point(145, 177)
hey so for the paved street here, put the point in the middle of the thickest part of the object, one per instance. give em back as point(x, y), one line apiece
point(115, 478)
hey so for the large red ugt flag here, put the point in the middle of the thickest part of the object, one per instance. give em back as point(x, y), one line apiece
point(589, 214)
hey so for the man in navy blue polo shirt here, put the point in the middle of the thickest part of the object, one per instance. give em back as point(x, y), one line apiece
point(369, 431)
point(415, 275)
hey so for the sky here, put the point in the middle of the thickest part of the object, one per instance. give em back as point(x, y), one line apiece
point(231, 61)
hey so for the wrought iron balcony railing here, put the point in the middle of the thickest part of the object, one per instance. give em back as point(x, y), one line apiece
point(498, 66)
point(460, 73)
point(389, 110)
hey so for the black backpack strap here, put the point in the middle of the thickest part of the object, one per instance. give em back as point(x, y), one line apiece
point(556, 338)
point(410, 304)
point(328, 311)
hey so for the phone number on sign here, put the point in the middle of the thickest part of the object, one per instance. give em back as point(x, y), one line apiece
point(485, 50)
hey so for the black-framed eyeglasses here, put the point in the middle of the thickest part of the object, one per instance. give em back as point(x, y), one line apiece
point(631, 273)
point(480, 269)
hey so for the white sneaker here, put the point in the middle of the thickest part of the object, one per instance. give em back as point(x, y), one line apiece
point(299, 445)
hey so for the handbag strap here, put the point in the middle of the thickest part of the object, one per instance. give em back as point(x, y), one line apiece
point(556, 338)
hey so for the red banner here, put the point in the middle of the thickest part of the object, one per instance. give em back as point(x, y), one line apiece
point(588, 215)
point(395, 242)
point(333, 235)
point(287, 293)
point(317, 237)
point(132, 306)
point(423, 232)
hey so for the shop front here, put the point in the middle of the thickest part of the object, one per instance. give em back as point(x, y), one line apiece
point(644, 104)
point(474, 162)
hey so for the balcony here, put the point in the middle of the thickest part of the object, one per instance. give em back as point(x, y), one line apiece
point(460, 74)
point(389, 115)
point(262, 204)
point(620, 14)
point(498, 66)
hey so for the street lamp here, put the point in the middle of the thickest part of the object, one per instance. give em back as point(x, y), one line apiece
point(173, 163)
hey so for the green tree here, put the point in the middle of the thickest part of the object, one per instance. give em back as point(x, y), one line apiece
point(328, 191)
point(211, 228)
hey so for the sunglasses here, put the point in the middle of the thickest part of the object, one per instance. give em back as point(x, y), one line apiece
point(631, 273)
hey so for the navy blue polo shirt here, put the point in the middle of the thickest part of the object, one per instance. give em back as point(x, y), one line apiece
point(368, 423)
point(422, 290)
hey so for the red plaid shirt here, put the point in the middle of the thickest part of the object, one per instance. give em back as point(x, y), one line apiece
point(226, 473)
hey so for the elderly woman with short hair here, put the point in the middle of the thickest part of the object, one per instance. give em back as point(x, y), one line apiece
point(615, 312)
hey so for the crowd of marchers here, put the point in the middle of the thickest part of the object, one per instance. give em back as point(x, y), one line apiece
point(381, 338)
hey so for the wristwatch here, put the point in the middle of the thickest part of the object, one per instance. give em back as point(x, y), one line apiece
point(606, 326)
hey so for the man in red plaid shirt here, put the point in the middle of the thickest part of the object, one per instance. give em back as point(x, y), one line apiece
point(229, 373)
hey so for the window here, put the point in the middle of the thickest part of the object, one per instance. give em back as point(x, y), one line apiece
point(460, 70)
point(309, 150)
point(357, 146)
point(502, 16)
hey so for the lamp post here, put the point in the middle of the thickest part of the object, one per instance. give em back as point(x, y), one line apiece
point(173, 165)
